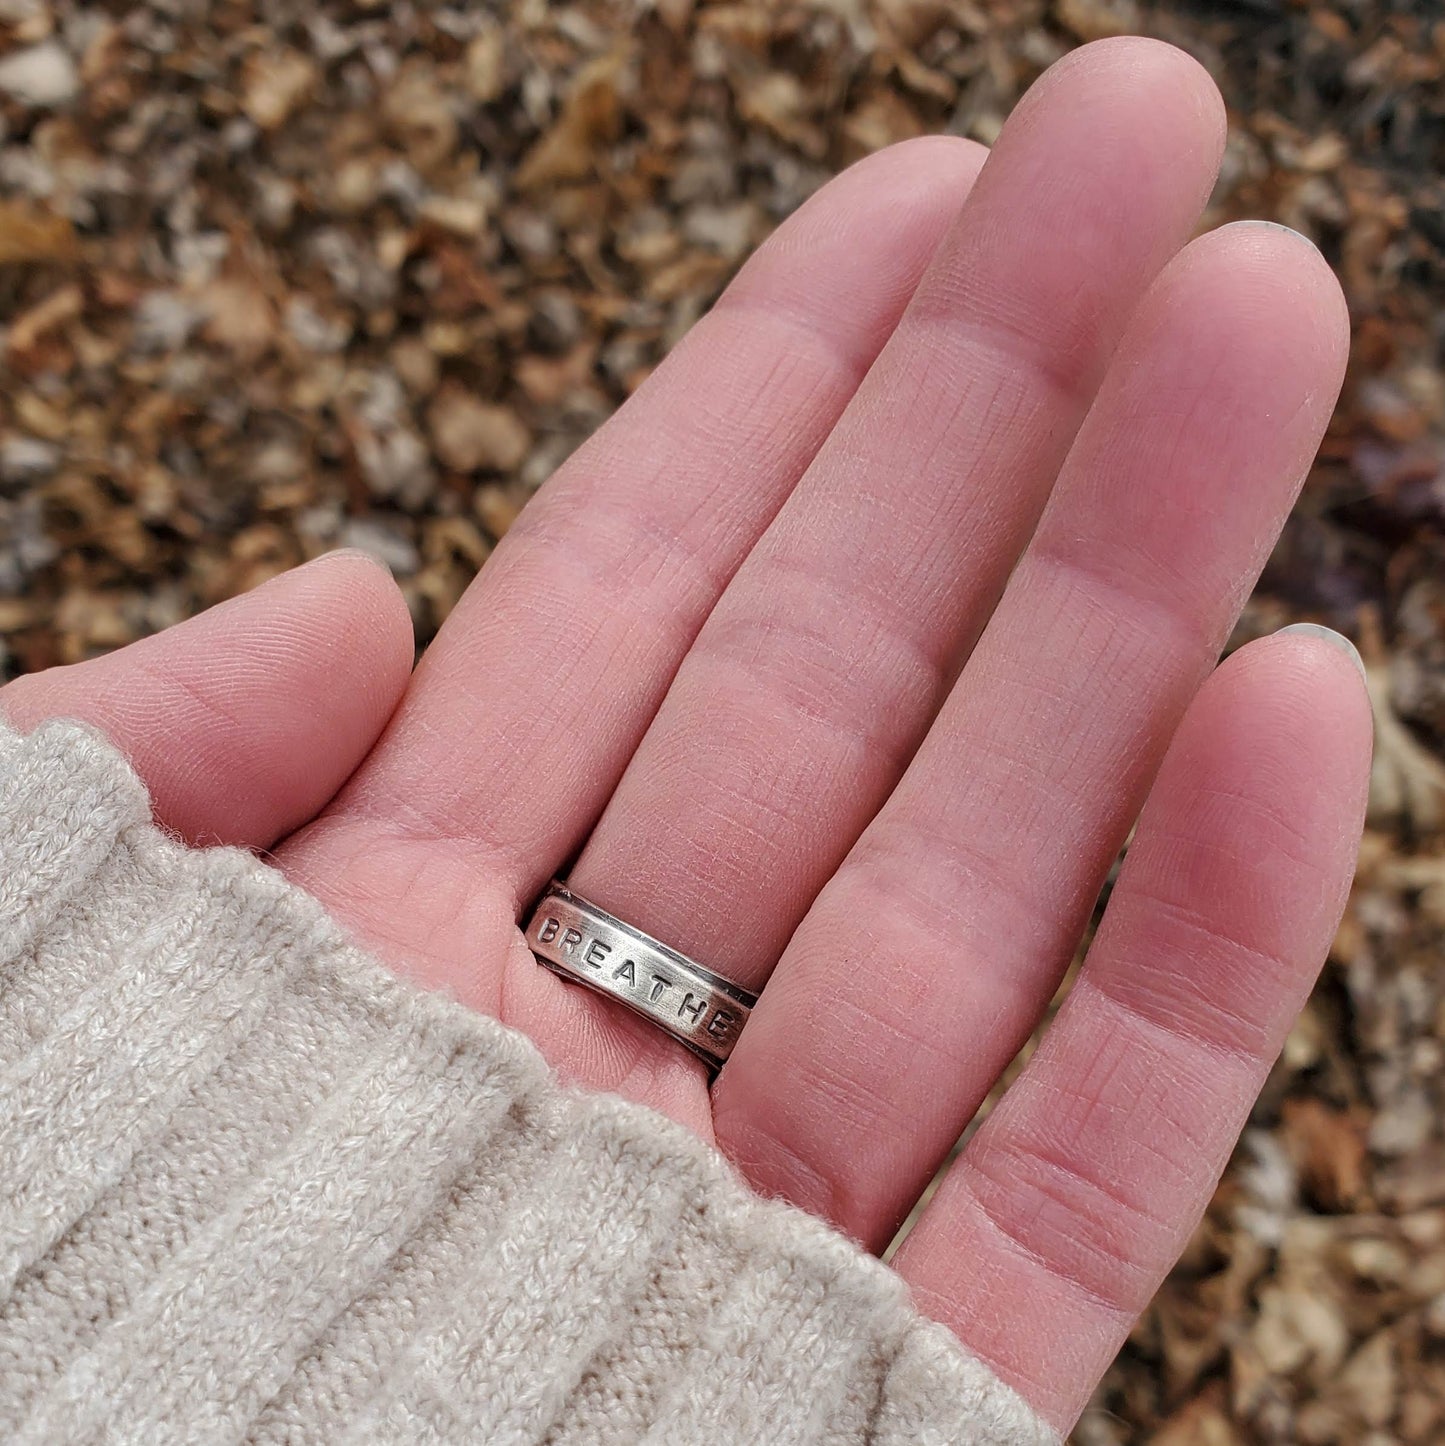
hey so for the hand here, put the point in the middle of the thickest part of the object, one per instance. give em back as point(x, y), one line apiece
point(844, 657)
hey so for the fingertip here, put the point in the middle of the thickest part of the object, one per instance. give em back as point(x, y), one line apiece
point(1295, 703)
point(1267, 324)
point(363, 594)
point(899, 197)
point(348, 554)
point(1333, 680)
point(1290, 260)
point(1174, 83)
point(1306, 662)
point(926, 160)
point(1162, 62)
point(244, 720)
point(846, 262)
point(1317, 632)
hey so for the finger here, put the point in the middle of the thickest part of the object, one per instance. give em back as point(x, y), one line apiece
point(936, 946)
point(817, 673)
point(245, 720)
point(525, 709)
point(1083, 1186)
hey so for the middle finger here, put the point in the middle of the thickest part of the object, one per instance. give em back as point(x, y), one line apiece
point(820, 668)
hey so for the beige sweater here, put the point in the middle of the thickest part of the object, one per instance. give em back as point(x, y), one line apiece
point(252, 1187)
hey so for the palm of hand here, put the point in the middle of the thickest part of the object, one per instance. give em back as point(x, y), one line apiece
point(723, 655)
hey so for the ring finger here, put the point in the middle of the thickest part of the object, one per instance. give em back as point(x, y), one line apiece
point(961, 905)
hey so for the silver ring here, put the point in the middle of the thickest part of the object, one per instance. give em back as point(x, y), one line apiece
point(584, 943)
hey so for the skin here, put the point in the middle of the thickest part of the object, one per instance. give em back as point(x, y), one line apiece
point(843, 659)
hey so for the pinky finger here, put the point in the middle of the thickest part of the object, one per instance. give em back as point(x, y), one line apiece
point(1069, 1206)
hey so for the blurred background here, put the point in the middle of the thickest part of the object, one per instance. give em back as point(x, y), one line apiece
point(277, 277)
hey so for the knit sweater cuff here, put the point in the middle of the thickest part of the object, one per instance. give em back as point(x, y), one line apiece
point(253, 1187)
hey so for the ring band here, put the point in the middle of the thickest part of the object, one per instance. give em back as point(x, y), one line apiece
point(584, 943)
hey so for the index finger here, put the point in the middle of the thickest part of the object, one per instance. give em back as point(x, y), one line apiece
point(526, 708)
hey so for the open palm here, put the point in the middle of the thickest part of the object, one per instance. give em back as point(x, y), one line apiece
point(843, 660)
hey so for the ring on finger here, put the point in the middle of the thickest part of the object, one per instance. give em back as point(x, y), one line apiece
point(587, 945)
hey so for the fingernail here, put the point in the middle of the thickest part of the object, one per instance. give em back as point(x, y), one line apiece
point(1278, 226)
point(1330, 636)
point(355, 552)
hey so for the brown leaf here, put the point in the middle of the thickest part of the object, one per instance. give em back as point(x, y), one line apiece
point(240, 316)
point(419, 113)
point(1099, 19)
point(274, 83)
point(1328, 1147)
point(469, 434)
point(591, 118)
point(60, 306)
point(28, 233)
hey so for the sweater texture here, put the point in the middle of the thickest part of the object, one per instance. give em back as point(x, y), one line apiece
point(255, 1188)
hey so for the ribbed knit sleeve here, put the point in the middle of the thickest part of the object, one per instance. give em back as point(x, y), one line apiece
point(254, 1188)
